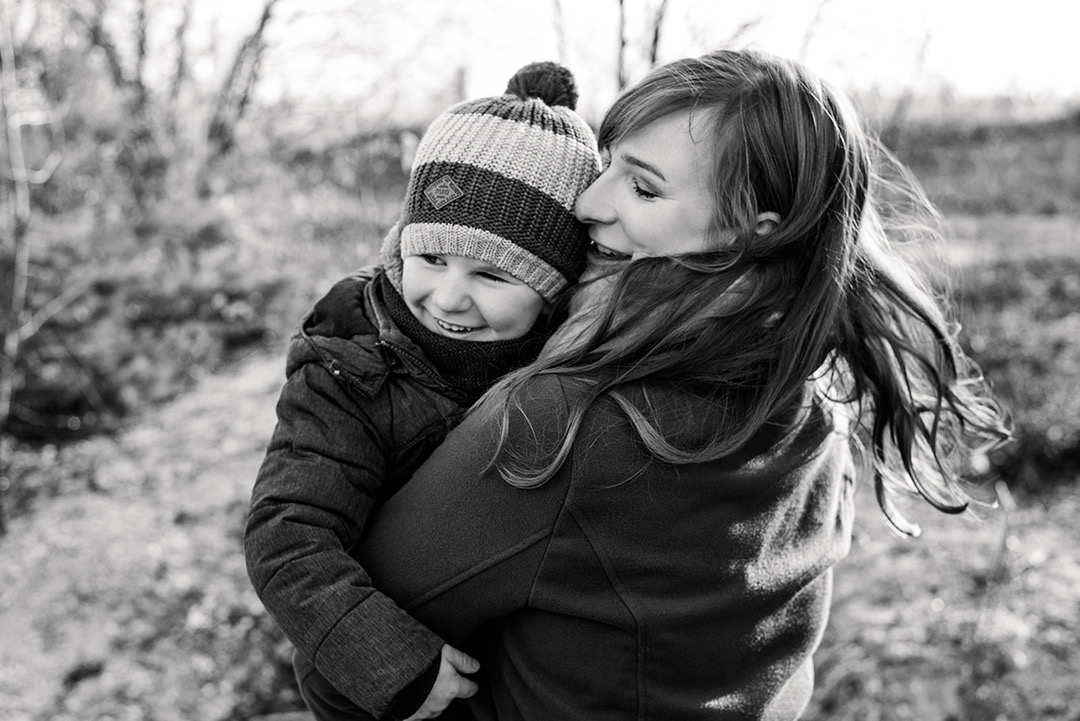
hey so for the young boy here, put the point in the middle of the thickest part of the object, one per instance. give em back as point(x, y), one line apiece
point(390, 359)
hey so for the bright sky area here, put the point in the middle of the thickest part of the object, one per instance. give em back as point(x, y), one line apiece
point(406, 55)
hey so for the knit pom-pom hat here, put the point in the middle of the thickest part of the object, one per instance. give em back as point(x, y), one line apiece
point(496, 179)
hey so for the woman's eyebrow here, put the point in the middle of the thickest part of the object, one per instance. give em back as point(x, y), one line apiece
point(639, 163)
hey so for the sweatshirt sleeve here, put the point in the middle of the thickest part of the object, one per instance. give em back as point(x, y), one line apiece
point(458, 546)
point(313, 494)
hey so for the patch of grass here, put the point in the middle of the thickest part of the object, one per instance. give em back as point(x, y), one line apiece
point(1014, 169)
point(1018, 294)
point(196, 286)
point(183, 296)
point(977, 619)
point(974, 620)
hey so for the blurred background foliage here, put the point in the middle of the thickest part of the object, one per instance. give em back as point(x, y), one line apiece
point(187, 211)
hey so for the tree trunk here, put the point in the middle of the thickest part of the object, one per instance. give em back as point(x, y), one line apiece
point(14, 326)
point(560, 32)
point(811, 29)
point(620, 71)
point(892, 133)
point(658, 22)
point(141, 155)
point(181, 72)
point(235, 92)
point(16, 246)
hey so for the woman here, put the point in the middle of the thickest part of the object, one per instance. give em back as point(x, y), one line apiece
point(642, 523)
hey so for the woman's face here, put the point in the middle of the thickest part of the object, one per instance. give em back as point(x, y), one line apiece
point(653, 196)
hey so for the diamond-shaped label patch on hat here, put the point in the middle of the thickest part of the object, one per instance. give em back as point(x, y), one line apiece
point(443, 192)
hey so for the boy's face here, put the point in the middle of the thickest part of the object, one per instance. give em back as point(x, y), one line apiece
point(468, 299)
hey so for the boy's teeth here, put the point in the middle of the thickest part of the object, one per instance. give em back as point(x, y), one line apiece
point(453, 328)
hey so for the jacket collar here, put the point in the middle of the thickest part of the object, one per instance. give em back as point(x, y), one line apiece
point(352, 334)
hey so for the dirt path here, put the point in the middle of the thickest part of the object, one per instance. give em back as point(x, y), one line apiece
point(104, 591)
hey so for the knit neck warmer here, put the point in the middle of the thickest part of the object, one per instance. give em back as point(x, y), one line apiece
point(469, 366)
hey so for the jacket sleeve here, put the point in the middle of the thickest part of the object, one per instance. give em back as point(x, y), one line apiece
point(458, 546)
point(312, 496)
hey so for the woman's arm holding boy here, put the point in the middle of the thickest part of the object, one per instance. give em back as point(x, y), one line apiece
point(458, 546)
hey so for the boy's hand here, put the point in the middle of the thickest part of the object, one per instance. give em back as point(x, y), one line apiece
point(449, 684)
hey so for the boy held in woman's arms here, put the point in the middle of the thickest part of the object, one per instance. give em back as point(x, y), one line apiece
point(390, 359)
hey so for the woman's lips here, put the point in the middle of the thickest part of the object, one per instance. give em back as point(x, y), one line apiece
point(609, 253)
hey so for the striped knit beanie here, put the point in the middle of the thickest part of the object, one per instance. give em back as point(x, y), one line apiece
point(495, 179)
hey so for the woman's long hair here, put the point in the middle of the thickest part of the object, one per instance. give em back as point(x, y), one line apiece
point(744, 327)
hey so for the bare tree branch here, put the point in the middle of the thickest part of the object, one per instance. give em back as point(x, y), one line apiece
point(892, 132)
point(102, 40)
point(13, 328)
point(30, 118)
point(811, 29)
point(658, 21)
point(235, 92)
point(20, 220)
point(54, 307)
point(742, 31)
point(180, 74)
point(560, 31)
point(141, 156)
point(10, 93)
point(140, 53)
point(88, 389)
point(620, 70)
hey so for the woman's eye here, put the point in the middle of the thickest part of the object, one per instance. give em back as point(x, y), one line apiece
point(643, 192)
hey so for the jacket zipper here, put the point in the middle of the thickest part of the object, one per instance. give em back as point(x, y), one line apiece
point(416, 359)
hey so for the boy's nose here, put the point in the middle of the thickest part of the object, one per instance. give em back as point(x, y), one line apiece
point(451, 294)
point(592, 205)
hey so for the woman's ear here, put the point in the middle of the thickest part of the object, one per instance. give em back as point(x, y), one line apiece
point(766, 223)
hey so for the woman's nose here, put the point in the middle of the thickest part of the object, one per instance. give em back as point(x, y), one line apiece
point(451, 293)
point(592, 205)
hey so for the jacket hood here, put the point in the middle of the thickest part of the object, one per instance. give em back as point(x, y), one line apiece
point(349, 331)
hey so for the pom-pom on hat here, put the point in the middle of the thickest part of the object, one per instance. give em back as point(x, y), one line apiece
point(496, 179)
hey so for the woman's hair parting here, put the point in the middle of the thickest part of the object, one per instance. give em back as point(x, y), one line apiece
point(827, 294)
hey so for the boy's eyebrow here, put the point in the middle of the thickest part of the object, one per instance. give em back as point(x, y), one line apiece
point(638, 162)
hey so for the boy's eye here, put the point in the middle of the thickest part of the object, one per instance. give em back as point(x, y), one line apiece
point(605, 159)
point(432, 259)
point(493, 276)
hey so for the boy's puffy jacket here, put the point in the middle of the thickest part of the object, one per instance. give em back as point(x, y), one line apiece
point(361, 408)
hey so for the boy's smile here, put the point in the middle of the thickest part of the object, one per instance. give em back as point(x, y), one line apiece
point(468, 299)
point(451, 328)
